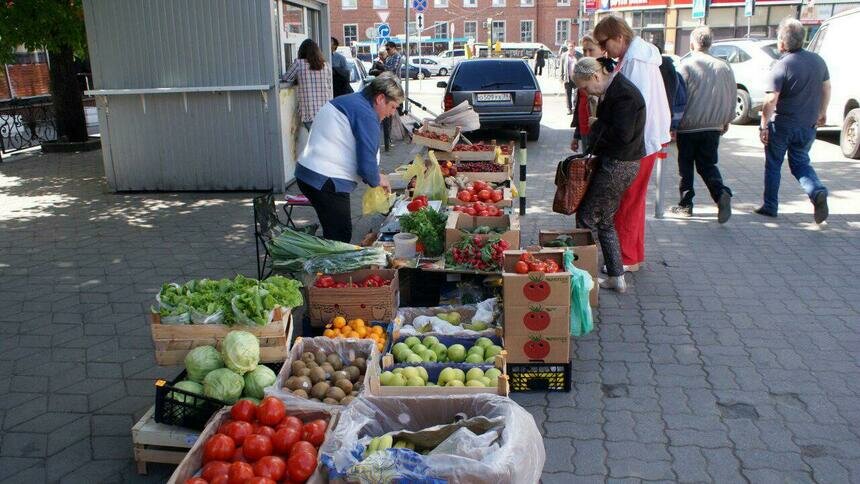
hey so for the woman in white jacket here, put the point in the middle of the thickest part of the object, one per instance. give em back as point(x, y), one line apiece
point(639, 61)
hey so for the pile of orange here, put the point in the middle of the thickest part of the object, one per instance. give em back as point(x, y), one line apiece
point(339, 327)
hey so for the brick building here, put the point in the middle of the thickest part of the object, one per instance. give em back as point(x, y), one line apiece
point(550, 22)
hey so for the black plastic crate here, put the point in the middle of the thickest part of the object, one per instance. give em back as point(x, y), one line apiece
point(195, 411)
point(539, 377)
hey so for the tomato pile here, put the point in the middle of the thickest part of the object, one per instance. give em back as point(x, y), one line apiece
point(433, 135)
point(529, 263)
point(355, 328)
point(261, 444)
point(480, 192)
point(373, 280)
point(479, 253)
point(417, 203)
point(479, 166)
point(477, 147)
point(480, 209)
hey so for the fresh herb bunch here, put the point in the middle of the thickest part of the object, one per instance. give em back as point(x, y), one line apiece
point(429, 226)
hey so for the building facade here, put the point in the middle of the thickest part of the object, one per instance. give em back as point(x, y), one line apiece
point(551, 22)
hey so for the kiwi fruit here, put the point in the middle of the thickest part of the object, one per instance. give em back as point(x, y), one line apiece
point(317, 375)
point(320, 356)
point(344, 385)
point(293, 383)
point(330, 401)
point(296, 366)
point(304, 383)
point(304, 372)
point(335, 361)
point(347, 399)
point(361, 363)
point(353, 373)
point(339, 375)
point(300, 393)
point(336, 393)
point(312, 365)
point(307, 357)
point(319, 390)
point(328, 369)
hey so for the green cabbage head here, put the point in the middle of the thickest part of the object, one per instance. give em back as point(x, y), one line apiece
point(258, 379)
point(240, 351)
point(224, 385)
point(188, 386)
point(202, 360)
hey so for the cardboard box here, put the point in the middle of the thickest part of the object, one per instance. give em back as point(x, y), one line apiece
point(377, 389)
point(458, 221)
point(487, 176)
point(525, 320)
point(535, 287)
point(506, 201)
point(367, 303)
point(585, 250)
point(419, 137)
point(538, 348)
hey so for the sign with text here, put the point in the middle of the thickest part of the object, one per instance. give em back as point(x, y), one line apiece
point(749, 8)
point(699, 8)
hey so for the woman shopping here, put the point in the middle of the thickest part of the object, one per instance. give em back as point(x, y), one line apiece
point(618, 145)
point(586, 105)
point(313, 76)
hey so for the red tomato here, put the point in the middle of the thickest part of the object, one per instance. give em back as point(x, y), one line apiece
point(470, 211)
point(492, 211)
point(245, 410)
point(265, 430)
point(284, 439)
point(224, 424)
point(314, 432)
point(218, 447)
point(213, 469)
point(521, 267)
point(222, 479)
point(301, 466)
point(290, 421)
point(479, 185)
point(422, 199)
point(483, 213)
point(271, 411)
point(484, 195)
point(537, 266)
point(303, 446)
point(240, 472)
point(480, 206)
point(536, 291)
point(260, 480)
point(464, 196)
point(238, 430)
point(239, 456)
point(196, 480)
point(257, 446)
point(497, 196)
point(270, 466)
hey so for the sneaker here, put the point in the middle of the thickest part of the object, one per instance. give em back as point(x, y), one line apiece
point(682, 210)
point(821, 210)
point(765, 212)
point(725, 208)
point(617, 284)
point(630, 268)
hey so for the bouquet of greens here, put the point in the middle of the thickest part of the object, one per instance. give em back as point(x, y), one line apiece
point(429, 226)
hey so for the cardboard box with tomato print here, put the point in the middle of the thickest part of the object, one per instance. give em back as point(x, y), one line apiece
point(535, 287)
point(367, 303)
point(460, 223)
point(536, 318)
point(538, 348)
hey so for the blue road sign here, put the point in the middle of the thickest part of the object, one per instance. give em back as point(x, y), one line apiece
point(419, 5)
point(699, 7)
point(749, 8)
point(384, 30)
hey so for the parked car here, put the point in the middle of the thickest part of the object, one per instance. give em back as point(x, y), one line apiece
point(454, 56)
point(750, 60)
point(835, 35)
point(357, 74)
point(414, 72)
point(435, 65)
point(504, 93)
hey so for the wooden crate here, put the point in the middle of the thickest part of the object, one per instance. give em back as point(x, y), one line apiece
point(487, 176)
point(159, 443)
point(434, 144)
point(377, 389)
point(174, 341)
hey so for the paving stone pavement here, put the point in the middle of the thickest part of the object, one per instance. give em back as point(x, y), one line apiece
point(733, 358)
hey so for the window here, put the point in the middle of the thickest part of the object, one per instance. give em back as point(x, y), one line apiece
point(470, 30)
point(562, 31)
point(440, 3)
point(527, 28)
point(498, 30)
point(350, 34)
point(440, 30)
point(563, 3)
point(498, 3)
point(527, 3)
point(470, 3)
point(380, 3)
point(349, 4)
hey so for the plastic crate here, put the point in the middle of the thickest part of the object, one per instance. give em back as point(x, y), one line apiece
point(539, 377)
point(195, 411)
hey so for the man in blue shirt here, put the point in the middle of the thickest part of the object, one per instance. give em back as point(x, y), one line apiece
point(340, 71)
point(795, 104)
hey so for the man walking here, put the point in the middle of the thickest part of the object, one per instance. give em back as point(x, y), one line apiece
point(340, 71)
point(392, 64)
point(711, 92)
point(796, 102)
point(568, 60)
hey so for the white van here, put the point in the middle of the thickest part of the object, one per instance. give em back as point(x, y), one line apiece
point(838, 35)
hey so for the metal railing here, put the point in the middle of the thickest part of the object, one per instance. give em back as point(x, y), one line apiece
point(26, 123)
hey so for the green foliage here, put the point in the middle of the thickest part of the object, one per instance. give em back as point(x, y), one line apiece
point(51, 25)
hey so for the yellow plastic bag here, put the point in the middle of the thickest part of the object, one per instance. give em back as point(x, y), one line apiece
point(428, 178)
point(376, 201)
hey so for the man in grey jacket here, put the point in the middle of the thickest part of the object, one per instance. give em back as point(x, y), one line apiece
point(711, 92)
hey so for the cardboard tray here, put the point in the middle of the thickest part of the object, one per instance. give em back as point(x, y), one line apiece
point(453, 133)
point(369, 304)
point(459, 220)
point(502, 389)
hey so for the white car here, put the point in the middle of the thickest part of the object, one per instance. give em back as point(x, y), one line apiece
point(843, 112)
point(436, 65)
point(357, 74)
point(750, 60)
point(454, 56)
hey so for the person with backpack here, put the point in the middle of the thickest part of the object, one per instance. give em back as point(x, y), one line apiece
point(711, 90)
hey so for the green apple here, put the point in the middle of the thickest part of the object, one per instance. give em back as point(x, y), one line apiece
point(446, 375)
point(442, 316)
point(410, 372)
point(429, 341)
point(415, 382)
point(474, 374)
point(474, 383)
point(422, 372)
point(428, 356)
point(479, 326)
point(492, 350)
point(486, 381)
point(440, 350)
point(403, 355)
point(490, 359)
point(397, 380)
point(385, 378)
point(492, 373)
point(397, 371)
point(459, 375)
point(483, 342)
point(492, 382)
point(474, 358)
point(476, 350)
point(455, 383)
point(454, 318)
point(457, 353)
point(411, 341)
point(398, 348)
point(414, 359)
point(418, 348)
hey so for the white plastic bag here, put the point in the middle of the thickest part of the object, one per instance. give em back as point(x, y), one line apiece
point(412, 321)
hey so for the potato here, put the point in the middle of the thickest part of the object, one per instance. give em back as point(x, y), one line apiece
point(339, 375)
point(320, 356)
point(307, 357)
point(330, 401)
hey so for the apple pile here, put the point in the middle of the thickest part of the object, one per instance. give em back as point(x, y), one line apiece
point(415, 351)
point(416, 376)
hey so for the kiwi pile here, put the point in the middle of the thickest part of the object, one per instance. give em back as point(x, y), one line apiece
point(323, 377)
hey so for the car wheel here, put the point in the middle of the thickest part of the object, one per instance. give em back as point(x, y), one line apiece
point(420, 75)
point(443, 72)
point(533, 132)
point(850, 138)
point(742, 107)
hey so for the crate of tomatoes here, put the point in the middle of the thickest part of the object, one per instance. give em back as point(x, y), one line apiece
point(480, 191)
point(252, 443)
point(368, 294)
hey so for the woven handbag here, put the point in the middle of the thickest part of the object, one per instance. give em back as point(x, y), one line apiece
point(572, 178)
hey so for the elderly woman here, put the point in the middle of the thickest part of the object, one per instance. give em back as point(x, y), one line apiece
point(640, 62)
point(618, 134)
point(585, 105)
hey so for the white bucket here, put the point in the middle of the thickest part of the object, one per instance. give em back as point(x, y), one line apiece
point(404, 245)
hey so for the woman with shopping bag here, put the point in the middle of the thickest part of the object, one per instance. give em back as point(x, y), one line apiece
point(618, 132)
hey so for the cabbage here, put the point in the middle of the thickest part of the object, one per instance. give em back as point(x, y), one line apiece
point(188, 386)
point(202, 360)
point(257, 379)
point(241, 351)
point(224, 385)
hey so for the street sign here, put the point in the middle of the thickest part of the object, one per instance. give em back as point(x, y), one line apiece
point(749, 8)
point(419, 5)
point(419, 22)
point(383, 30)
point(699, 7)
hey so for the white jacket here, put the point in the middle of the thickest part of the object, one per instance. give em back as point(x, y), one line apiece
point(641, 65)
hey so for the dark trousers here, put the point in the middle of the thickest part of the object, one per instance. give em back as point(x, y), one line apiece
point(332, 208)
point(699, 150)
point(796, 141)
point(386, 132)
point(569, 86)
point(538, 69)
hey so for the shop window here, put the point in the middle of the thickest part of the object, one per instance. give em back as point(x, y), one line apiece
point(498, 3)
point(721, 17)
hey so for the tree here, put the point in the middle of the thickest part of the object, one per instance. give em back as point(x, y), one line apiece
point(56, 26)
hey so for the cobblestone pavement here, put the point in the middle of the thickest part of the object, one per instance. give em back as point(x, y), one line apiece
point(734, 357)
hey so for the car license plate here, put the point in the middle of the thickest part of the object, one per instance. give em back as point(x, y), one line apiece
point(495, 97)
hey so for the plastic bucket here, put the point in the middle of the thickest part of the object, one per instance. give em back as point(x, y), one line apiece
point(404, 245)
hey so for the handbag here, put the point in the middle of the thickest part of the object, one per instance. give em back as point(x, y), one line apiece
point(572, 178)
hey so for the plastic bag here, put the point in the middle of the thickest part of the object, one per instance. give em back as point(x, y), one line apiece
point(581, 283)
point(376, 200)
point(428, 180)
point(203, 318)
point(517, 456)
point(411, 321)
point(243, 319)
point(348, 349)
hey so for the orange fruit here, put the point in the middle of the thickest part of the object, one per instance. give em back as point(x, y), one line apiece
point(379, 346)
point(345, 330)
point(329, 333)
point(377, 329)
point(362, 331)
point(359, 322)
point(338, 322)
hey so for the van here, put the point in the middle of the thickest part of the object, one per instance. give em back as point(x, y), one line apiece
point(836, 37)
